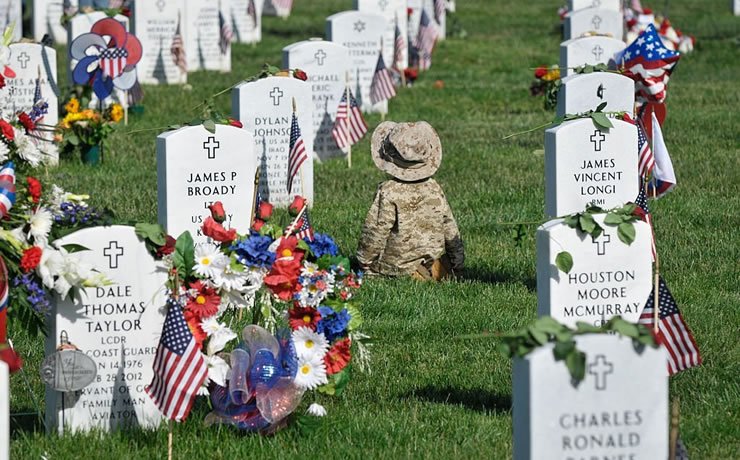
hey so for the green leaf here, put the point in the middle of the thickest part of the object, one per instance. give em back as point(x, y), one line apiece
point(597, 231)
point(184, 256)
point(341, 379)
point(328, 389)
point(549, 325)
point(584, 328)
point(303, 245)
point(576, 362)
point(355, 317)
point(626, 232)
point(601, 121)
point(587, 223)
point(504, 349)
point(537, 335)
point(308, 424)
point(196, 122)
point(210, 125)
point(588, 69)
point(647, 340)
point(152, 232)
point(73, 139)
point(626, 328)
point(613, 218)
point(564, 261)
point(571, 221)
point(563, 349)
point(324, 262)
point(72, 248)
point(601, 107)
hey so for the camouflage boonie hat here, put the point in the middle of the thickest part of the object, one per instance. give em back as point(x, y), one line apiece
point(407, 151)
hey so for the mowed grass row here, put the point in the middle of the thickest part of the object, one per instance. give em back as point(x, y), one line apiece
point(429, 395)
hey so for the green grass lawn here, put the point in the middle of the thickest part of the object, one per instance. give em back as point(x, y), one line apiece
point(429, 395)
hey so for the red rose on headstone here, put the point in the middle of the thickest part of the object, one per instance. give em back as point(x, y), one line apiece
point(257, 225)
point(264, 211)
point(295, 207)
point(34, 189)
point(7, 130)
point(168, 248)
point(540, 72)
point(299, 74)
point(217, 232)
point(235, 122)
point(217, 212)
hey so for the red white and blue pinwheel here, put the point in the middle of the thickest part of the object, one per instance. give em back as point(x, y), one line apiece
point(107, 58)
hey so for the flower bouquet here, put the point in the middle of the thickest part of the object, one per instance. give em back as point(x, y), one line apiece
point(85, 130)
point(546, 82)
point(292, 295)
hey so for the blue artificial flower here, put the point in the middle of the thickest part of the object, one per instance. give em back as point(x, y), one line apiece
point(333, 324)
point(75, 213)
point(37, 297)
point(322, 244)
point(253, 251)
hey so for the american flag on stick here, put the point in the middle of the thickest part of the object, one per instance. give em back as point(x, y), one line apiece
point(399, 49)
point(177, 49)
point(252, 12)
point(297, 154)
point(179, 367)
point(673, 332)
point(381, 88)
point(642, 203)
point(303, 228)
point(426, 39)
point(646, 159)
point(440, 10)
point(224, 41)
point(349, 126)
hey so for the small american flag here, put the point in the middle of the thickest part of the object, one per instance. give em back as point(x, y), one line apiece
point(177, 49)
point(440, 9)
point(673, 332)
point(40, 107)
point(349, 126)
point(649, 63)
point(646, 159)
point(304, 229)
point(399, 49)
point(381, 88)
point(426, 39)
point(664, 177)
point(252, 12)
point(179, 367)
point(224, 41)
point(297, 155)
point(113, 61)
point(642, 203)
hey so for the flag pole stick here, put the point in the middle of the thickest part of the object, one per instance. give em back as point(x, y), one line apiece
point(169, 441)
point(673, 437)
point(175, 291)
point(254, 196)
point(294, 224)
point(349, 117)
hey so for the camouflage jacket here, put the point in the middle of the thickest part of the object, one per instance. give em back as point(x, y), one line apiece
point(409, 223)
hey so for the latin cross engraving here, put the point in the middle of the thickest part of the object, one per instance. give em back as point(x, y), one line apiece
point(113, 252)
point(600, 91)
point(160, 5)
point(597, 52)
point(597, 138)
point(359, 26)
point(382, 4)
point(596, 4)
point(211, 145)
point(596, 21)
point(276, 94)
point(601, 244)
point(320, 56)
point(600, 368)
point(23, 59)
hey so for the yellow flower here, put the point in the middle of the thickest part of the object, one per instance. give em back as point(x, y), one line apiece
point(73, 106)
point(116, 113)
point(552, 74)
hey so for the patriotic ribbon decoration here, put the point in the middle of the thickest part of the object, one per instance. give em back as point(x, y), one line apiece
point(7, 189)
point(106, 63)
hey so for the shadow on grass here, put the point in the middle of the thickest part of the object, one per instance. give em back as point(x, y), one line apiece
point(477, 400)
point(25, 421)
point(487, 276)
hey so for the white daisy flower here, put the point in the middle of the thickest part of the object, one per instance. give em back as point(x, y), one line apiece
point(230, 280)
point(208, 260)
point(40, 226)
point(27, 148)
point(309, 269)
point(311, 372)
point(317, 410)
point(309, 343)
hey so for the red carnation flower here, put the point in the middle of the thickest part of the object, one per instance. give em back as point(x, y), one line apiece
point(31, 258)
point(288, 247)
point(204, 302)
point(217, 232)
point(168, 248)
point(34, 189)
point(299, 74)
point(540, 72)
point(194, 325)
point(264, 211)
point(338, 356)
point(303, 317)
point(283, 277)
point(7, 130)
point(235, 122)
point(217, 212)
point(2, 81)
point(295, 207)
point(26, 121)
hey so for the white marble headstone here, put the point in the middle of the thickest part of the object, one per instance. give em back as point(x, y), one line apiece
point(439, 22)
point(580, 93)
point(279, 8)
point(587, 50)
point(118, 326)
point(4, 410)
point(155, 24)
point(203, 35)
point(327, 65)
point(394, 12)
point(47, 19)
point(196, 168)
point(615, 5)
point(608, 277)
point(265, 108)
point(11, 12)
point(585, 165)
point(414, 18)
point(361, 33)
point(618, 411)
point(246, 20)
point(81, 24)
point(596, 20)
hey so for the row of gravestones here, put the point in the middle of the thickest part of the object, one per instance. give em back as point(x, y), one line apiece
point(620, 408)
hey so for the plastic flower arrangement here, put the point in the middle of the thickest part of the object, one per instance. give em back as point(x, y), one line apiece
point(296, 294)
point(546, 82)
point(82, 128)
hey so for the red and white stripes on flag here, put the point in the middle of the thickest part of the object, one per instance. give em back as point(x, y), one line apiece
point(7, 188)
point(177, 49)
point(440, 10)
point(673, 333)
point(349, 126)
point(113, 61)
point(399, 49)
point(425, 41)
point(227, 35)
point(381, 88)
point(179, 367)
point(304, 230)
point(645, 157)
point(297, 154)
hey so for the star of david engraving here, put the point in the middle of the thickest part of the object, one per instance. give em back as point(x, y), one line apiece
point(359, 26)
